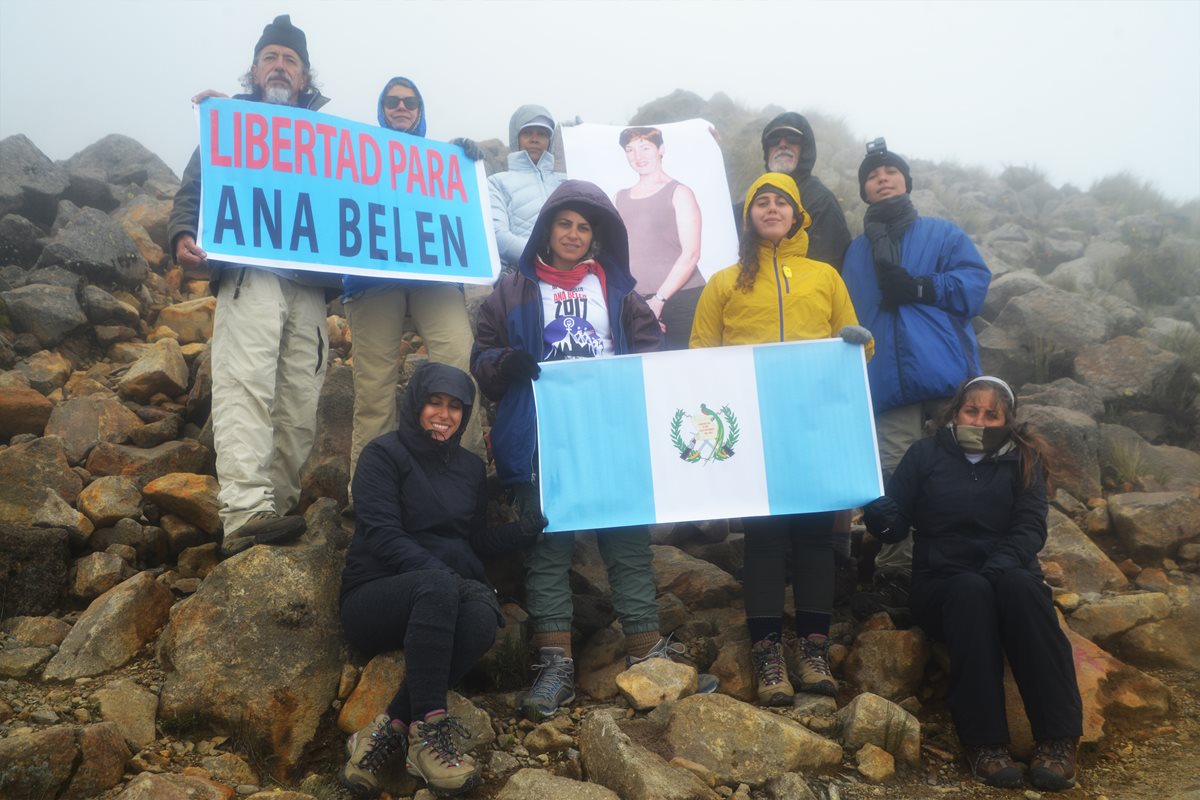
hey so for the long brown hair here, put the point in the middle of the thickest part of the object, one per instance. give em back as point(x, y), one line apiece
point(1031, 447)
point(747, 256)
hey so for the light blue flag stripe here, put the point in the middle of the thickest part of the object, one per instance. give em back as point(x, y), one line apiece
point(818, 434)
point(608, 432)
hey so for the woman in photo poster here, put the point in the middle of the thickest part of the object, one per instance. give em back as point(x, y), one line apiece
point(663, 220)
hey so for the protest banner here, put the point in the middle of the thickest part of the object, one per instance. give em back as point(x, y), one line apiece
point(292, 188)
point(782, 428)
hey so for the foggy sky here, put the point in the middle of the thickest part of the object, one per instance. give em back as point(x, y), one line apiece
point(1080, 89)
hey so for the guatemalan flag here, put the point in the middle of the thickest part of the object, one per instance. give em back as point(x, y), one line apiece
point(745, 431)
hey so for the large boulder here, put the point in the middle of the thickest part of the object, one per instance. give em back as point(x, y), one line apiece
point(145, 464)
point(30, 183)
point(697, 583)
point(34, 565)
point(27, 472)
point(23, 410)
point(132, 708)
point(540, 784)
point(97, 247)
point(19, 240)
point(67, 763)
point(1130, 371)
point(191, 320)
point(102, 308)
point(1107, 617)
point(326, 473)
point(258, 647)
point(110, 498)
point(1062, 393)
point(1151, 525)
point(189, 496)
point(161, 370)
point(871, 719)
point(51, 313)
point(112, 629)
point(1043, 330)
point(614, 760)
point(45, 370)
point(1126, 456)
point(888, 663)
point(83, 422)
point(1074, 438)
point(1170, 642)
point(1085, 566)
point(121, 160)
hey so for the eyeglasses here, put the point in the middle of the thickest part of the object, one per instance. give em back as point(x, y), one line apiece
point(774, 139)
point(411, 103)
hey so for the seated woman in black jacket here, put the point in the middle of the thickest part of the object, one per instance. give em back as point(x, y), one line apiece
point(414, 579)
point(975, 496)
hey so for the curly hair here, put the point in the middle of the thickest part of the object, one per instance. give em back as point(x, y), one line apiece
point(247, 81)
point(747, 257)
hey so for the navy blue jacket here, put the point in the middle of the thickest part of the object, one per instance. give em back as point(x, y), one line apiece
point(922, 352)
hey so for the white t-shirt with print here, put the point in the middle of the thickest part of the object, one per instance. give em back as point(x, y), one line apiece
point(576, 321)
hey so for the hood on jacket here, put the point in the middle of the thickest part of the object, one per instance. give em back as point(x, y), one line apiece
point(431, 378)
point(786, 185)
point(808, 150)
point(522, 117)
point(400, 80)
point(606, 223)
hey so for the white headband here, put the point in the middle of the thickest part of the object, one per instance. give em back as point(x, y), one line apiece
point(1012, 398)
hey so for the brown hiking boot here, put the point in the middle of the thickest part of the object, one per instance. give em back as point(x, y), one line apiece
point(812, 666)
point(265, 527)
point(369, 750)
point(992, 765)
point(433, 756)
point(1053, 764)
point(770, 673)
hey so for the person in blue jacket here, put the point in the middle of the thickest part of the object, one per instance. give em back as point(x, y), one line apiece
point(518, 194)
point(376, 309)
point(916, 283)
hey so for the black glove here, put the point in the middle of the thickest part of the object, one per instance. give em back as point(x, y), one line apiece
point(899, 288)
point(519, 366)
point(531, 527)
point(879, 515)
point(471, 148)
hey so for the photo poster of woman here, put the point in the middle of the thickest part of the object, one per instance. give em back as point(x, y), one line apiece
point(668, 183)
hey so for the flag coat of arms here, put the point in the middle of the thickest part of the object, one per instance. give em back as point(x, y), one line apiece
point(755, 430)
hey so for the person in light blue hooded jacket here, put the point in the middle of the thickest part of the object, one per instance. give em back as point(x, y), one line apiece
point(376, 309)
point(518, 194)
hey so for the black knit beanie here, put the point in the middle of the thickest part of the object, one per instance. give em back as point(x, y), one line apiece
point(283, 32)
point(882, 158)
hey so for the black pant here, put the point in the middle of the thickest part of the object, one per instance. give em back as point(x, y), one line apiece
point(443, 622)
point(808, 540)
point(982, 622)
point(677, 314)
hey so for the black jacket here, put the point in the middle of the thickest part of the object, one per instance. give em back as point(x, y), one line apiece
point(966, 517)
point(421, 504)
point(829, 236)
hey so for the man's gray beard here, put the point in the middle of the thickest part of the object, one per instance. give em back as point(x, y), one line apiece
point(782, 163)
point(278, 95)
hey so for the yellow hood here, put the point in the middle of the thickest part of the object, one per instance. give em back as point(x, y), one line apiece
point(797, 243)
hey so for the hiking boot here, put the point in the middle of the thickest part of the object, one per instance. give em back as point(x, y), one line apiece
point(992, 765)
point(1053, 764)
point(434, 757)
point(677, 651)
point(265, 527)
point(554, 686)
point(369, 750)
point(812, 666)
point(889, 593)
point(770, 673)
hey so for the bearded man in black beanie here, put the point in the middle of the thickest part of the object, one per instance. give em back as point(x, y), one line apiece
point(916, 282)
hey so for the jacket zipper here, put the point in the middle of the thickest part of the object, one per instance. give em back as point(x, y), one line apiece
point(779, 288)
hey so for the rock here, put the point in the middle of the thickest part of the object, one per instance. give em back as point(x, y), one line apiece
point(1110, 616)
point(198, 562)
point(1170, 642)
point(102, 308)
point(546, 738)
point(733, 667)
point(150, 252)
point(37, 631)
point(1085, 566)
point(268, 661)
point(33, 569)
point(888, 663)
point(475, 720)
point(144, 465)
point(651, 683)
point(45, 371)
point(19, 240)
point(192, 497)
point(181, 534)
point(30, 183)
point(149, 786)
point(742, 743)
point(1062, 322)
point(1151, 525)
point(230, 770)
point(131, 708)
point(97, 247)
point(192, 320)
point(376, 686)
point(83, 422)
point(103, 757)
point(156, 433)
point(697, 583)
point(95, 574)
point(112, 629)
point(1126, 456)
point(149, 213)
point(1075, 440)
point(148, 541)
point(62, 762)
point(875, 764)
point(161, 370)
point(121, 160)
point(51, 313)
point(28, 471)
point(1129, 370)
point(599, 662)
point(22, 410)
point(613, 760)
point(1005, 287)
point(871, 719)
point(57, 513)
point(326, 473)
point(1062, 393)
point(18, 662)
point(538, 784)
point(789, 786)
point(110, 498)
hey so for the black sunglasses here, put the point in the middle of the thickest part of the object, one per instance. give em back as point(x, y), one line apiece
point(791, 138)
point(411, 103)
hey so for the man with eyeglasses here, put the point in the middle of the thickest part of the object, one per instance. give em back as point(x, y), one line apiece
point(268, 345)
point(790, 147)
point(376, 309)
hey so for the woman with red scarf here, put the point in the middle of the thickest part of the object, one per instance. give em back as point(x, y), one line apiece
point(572, 296)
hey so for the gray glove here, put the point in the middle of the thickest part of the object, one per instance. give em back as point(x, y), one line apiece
point(855, 334)
point(471, 148)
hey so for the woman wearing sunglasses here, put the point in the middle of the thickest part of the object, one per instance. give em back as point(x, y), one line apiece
point(376, 308)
